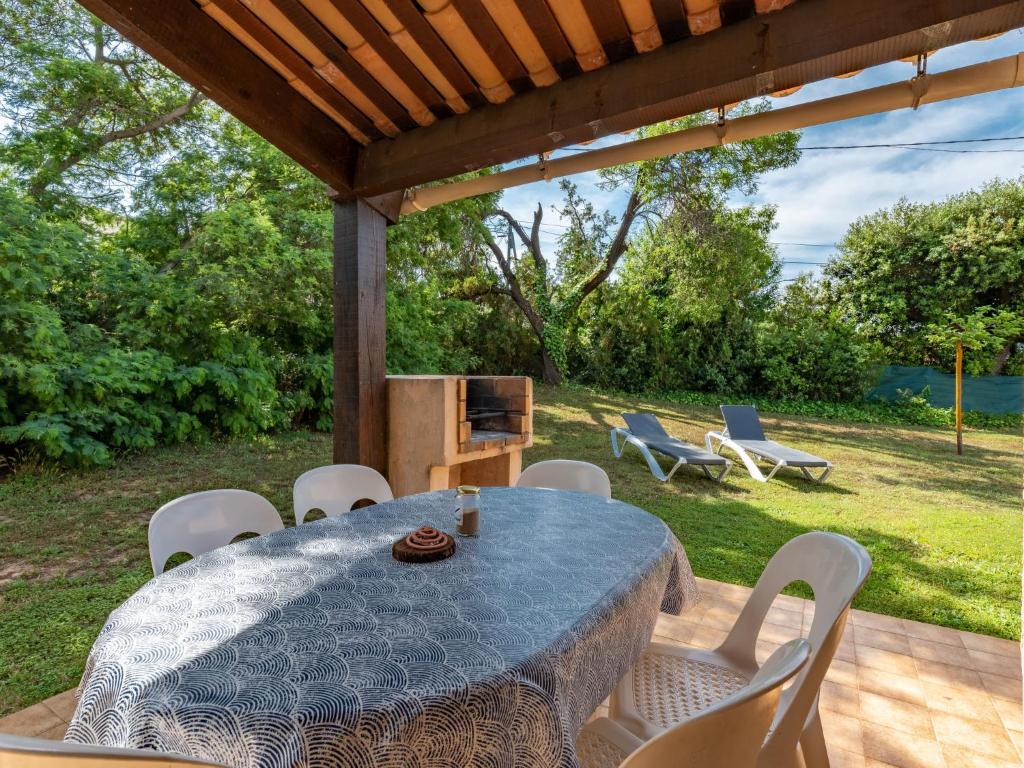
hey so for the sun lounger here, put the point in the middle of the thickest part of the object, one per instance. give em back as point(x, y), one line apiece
point(646, 433)
point(743, 434)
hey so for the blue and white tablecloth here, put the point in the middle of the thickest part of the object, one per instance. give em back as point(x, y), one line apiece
point(313, 647)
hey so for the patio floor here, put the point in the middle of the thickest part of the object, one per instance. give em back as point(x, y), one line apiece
point(899, 693)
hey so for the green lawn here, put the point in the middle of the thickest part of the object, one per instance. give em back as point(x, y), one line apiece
point(944, 531)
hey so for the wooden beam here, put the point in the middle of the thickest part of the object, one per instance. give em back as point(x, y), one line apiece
point(360, 386)
point(808, 41)
point(193, 46)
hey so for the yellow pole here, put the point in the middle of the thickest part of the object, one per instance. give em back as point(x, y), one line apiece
point(959, 396)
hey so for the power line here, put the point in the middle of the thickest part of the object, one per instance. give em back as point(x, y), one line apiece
point(894, 145)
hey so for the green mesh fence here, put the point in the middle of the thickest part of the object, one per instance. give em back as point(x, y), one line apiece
point(990, 394)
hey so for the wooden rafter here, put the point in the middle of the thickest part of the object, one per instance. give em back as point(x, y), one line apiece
point(805, 42)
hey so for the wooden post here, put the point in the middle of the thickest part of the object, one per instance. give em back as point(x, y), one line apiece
point(360, 387)
point(959, 396)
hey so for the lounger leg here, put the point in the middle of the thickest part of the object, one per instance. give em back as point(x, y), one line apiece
point(721, 475)
point(820, 478)
point(672, 471)
point(652, 463)
point(775, 469)
point(748, 462)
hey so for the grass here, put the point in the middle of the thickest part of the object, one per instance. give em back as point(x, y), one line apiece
point(944, 531)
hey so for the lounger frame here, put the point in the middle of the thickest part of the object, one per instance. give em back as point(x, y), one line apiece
point(724, 441)
point(656, 470)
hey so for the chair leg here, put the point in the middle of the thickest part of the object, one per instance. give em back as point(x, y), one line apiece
point(812, 743)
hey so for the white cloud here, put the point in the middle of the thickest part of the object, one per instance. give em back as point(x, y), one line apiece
point(820, 196)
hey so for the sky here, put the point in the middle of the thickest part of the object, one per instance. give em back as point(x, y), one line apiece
point(820, 196)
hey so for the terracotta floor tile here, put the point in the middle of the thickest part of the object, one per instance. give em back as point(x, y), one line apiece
point(846, 651)
point(879, 638)
point(1001, 687)
point(1009, 713)
point(842, 672)
point(958, 757)
point(994, 664)
point(785, 617)
point(893, 713)
point(842, 732)
point(976, 705)
point(988, 644)
point(908, 689)
point(32, 721)
point(842, 758)
point(932, 632)
point(1017, 737)
point(940, 652)
point(945, 674)
point(888, 661)
point(63, 704)
point(791, 603)
point(707, 637)
point(872, 763)
point(718, 617)
point(675, 627)
point(901, 749)
point(839, 698)
point(763, 650)
point(56, 733)
point(877, 621)
point(985, 738)
point(778, 633)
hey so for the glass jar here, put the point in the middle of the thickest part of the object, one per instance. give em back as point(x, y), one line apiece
point(468, 514)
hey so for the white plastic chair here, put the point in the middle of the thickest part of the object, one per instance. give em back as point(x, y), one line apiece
point(23, 752)
point(336, 487)
point(200, 522)
point(726, 734)
point(567, 475)
point(669, 683)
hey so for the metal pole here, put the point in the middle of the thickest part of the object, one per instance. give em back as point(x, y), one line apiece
point(959, 396)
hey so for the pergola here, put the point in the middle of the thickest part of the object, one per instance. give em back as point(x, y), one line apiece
point(377, 96)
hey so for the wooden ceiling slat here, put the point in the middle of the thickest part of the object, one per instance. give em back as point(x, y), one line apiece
point(671, 19)
point(702, 16)
point(493, 42)
point(427, 39)
point(295, 64)
point(325, 42)
point(519, 33)
point(453, 29)
point(642, 23)
point(364, 54)
point(550, 36)
point(381, 42)
point(610, 26)
point(575, 25)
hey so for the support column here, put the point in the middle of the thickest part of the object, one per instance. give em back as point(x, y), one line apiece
point(360, 323)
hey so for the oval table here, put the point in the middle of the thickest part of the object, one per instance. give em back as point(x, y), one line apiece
point(312, 646)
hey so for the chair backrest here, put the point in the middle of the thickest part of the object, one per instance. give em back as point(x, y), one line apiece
point(644, 425)
point(203, 521)
point(835, 567)
point(742, 422)
point(23, 752)
point(730, 733)
point(567, 475)
point(336, 487)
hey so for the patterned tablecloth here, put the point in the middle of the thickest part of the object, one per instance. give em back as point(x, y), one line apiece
point(313, 647)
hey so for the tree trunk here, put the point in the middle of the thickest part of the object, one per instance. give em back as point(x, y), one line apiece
point(1002, 357)
point(551, 373)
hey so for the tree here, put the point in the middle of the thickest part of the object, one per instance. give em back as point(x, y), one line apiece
point(88, 111)
point(902, 270)
point(689, 189)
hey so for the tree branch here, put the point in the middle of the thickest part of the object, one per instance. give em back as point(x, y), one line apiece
point(531, 241)
point(158, 122)
point(514, 288)
point(616, 248)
